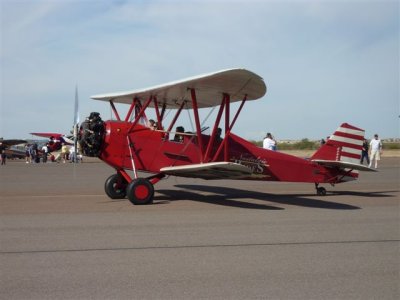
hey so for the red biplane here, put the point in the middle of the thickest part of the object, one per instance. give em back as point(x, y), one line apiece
point(55, 140)
point(129, 144)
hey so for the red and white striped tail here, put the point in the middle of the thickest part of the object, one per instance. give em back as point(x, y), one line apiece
point(344, 145)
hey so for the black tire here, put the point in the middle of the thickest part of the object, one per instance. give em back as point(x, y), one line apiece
point(115, 187)
point(140, 191)
point(321, 191)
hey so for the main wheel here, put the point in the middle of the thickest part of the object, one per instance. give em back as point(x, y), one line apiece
point(140, 191)
point(115, 187)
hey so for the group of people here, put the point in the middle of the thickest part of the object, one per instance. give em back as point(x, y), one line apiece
point(375, 147)
point(32, 153)
point(35, 155)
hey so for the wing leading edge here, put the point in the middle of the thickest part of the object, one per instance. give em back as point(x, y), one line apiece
point(238, 83)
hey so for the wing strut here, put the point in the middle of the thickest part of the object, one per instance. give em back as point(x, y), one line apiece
point(227, 119)
point(176, 116)
point(214, 132)
point(128, 115)
point(157, 113)
point(224, 144)
point(115, 110)
point(238, 112)
point(140, 114)
point(131, 154)
point(197, 120)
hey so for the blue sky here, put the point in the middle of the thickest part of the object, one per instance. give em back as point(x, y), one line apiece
point(324, 62)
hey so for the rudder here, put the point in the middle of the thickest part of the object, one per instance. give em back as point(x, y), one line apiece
point(344, 145)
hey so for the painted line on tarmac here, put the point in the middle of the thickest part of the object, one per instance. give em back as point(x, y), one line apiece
point(202, 246)
point(50, 196)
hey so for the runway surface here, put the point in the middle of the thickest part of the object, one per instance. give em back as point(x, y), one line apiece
point(62, 238)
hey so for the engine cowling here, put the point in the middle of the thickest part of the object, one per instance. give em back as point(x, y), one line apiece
point(91, 135)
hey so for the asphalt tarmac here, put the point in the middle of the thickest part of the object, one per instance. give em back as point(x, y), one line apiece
point(62, 238)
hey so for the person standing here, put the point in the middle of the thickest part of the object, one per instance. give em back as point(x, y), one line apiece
point(364, 152)
point(45, 151)
point(72, 154)
point(269, 142)
point(27, 154)
point(3, 153)
point(33, 152)
point(376, 149)
point(64, 152)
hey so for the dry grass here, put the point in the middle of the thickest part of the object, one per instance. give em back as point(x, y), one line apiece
point(308, 153)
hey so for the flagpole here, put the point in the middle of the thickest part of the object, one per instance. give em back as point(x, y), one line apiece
point(76, 123)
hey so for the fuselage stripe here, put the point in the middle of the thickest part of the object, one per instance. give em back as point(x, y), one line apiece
point(353, 143)
point(351, 131)
point(348, 135)
point(351, 150)
point(351, 155)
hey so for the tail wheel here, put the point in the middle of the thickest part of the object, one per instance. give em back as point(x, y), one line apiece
point(140, 191)
point(115, 187)
point(321, 191)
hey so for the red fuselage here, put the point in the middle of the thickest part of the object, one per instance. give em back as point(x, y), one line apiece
point(150, 150)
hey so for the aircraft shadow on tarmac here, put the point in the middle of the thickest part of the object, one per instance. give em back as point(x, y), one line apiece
point(237, 197)
point(380, 194)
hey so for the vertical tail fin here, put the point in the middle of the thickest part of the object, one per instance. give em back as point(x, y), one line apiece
point(344, 145)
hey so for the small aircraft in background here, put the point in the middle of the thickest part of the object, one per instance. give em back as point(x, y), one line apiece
point(10, 151)
point(11, 142)
point(128, 143)
point(55, 140)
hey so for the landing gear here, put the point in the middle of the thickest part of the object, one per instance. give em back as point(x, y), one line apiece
point(140, 191)
point(320, 190)
point(115, 186)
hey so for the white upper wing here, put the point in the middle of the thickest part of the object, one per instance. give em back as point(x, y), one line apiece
point(238, 83)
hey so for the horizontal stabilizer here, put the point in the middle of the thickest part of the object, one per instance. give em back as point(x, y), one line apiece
point(215, 170)
point(342, 165)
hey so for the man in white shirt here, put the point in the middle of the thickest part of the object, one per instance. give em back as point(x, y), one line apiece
point(269, 143)
point(45, 151)
point(376, 148)
point(72, 154)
